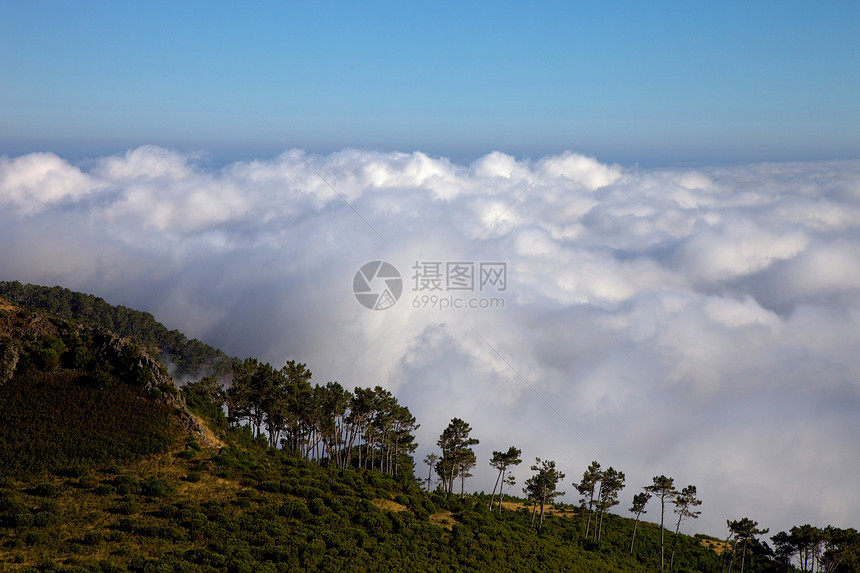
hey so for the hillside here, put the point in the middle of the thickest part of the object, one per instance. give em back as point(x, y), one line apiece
point(185, 357)
point(72, 395)
point(106, 466)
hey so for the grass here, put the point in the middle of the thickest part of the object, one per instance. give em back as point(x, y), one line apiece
point(389, 505)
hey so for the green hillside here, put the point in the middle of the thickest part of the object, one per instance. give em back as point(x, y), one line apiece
point(71, 395)
point(185, 356)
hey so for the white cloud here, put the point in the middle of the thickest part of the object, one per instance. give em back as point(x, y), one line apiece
point(697, 323)
point(737, 249)
point(33, 182)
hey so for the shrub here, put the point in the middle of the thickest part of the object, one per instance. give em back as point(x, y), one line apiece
point(35, 538)
point(7, 501)
point(23, 519)
point(296, 509)
point(171, 532)
point(44, 518)
point(269, 486)
point(108, 567)
point(127, 506)
point(317, 506)
point(45, 489)
point(112, 469)
point(126, 484)
point(104, 489)
point(49, 566)
point(88, 482)
point(75, 471)
point(93, 537)
point(156, 488)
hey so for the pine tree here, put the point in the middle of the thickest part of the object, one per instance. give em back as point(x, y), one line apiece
point(640, 500)
point(662, 488)
point(611, 483)
point(457, 453)
point(586, 488)
point(541, 487)
point(745, 532)
point(502, 461)
point(685, 501)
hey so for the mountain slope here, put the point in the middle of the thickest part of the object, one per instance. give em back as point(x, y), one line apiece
point(103, 468)
point(73, 395)
point(186, 357)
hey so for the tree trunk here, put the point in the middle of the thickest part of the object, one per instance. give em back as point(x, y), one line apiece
point(600, 526)
point(599, 511)
point(501, 487)
point(493, 496)
point(662, 532)
point(725, 553)
point(588, 523)
point(732, 560)
point(633, 539)
point(540, 527)
point(674, 541)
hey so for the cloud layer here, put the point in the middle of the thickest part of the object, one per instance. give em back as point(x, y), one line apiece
point(702, 324)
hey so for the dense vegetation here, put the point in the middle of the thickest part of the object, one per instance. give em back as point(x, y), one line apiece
point(185, 356)
point(97, 475)
point(51, 421)
point(71, 395)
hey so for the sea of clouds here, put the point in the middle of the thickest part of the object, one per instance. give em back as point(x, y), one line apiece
point(699, 323)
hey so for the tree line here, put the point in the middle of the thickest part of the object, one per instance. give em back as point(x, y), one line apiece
point(804, 548)
point(364, 428)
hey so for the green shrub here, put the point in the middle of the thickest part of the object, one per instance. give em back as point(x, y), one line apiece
point(104, 489)
point(44, 518)
point(45, 489)
point(155, 487)
point(127, 506)
point(93, 537)
point(88, 482)
point(35, 538)
point(126, 484)
point(317, 506)
point(49, 565)
point(73, 471)
point(171, 532)
point(106, 566)
point(7, 500)
point(112, 469)
point(23, 519)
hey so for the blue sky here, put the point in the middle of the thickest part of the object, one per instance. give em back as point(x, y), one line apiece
point(667, 83)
